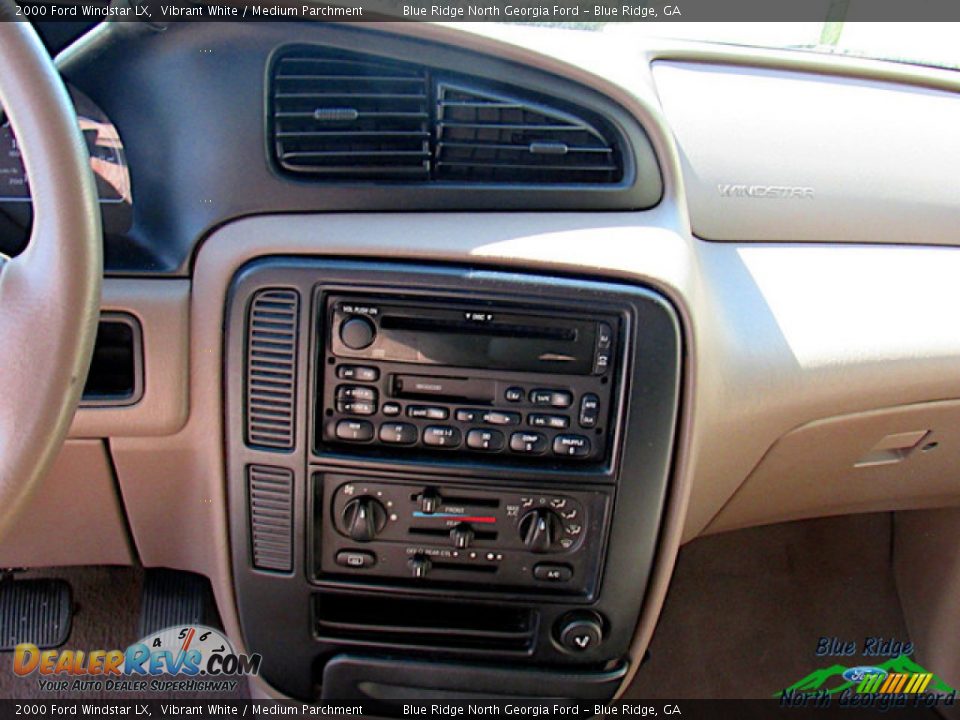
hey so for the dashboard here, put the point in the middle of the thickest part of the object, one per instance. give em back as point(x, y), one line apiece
point(627, 282)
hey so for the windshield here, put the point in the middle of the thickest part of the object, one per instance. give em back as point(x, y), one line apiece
point(921, 43)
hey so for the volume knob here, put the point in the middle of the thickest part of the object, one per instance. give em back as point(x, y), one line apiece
point(363, 518)
point(540, 529)
point(357, 333)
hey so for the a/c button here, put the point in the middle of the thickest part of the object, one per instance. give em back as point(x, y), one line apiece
point(552, 573)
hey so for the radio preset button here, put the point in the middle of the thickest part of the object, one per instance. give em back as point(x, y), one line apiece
point(466, 415)
point(501, 418)
point(513, 394)
point(553, 398)
point(356, 407)
point(529, 443)
point(357, 392)
point(571, 445)
point(360, 373)
point(355, 559)
point(426, 412)
point(398, 433)
point(601, 362)
point(357, 333)
point(441, 436)
point(390, 409)
point(355, 430)
point(488, 440)
point(558, 422)
point(589, 410)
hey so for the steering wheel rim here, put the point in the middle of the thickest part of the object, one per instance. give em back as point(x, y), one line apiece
point(49, 294)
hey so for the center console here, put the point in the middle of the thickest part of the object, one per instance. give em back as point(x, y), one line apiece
point(444, 479)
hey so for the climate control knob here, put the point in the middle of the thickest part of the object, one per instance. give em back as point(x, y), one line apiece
point(419, 565)
point(363, 518)
point(462, 535)
point(540, 529)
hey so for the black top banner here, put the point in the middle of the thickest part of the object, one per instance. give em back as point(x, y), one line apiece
point(570, 13)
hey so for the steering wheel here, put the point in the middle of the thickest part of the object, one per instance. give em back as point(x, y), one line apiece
point(49, 294)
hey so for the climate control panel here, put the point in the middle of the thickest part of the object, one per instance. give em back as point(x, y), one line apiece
point(370, 528)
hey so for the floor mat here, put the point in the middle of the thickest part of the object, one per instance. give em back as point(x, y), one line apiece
point(746, 609)
point(106, 615)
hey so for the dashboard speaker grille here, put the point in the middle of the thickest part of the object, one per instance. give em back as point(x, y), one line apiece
point(484, 136)
point(272, 368)
point(271, 517)
point(342, 115)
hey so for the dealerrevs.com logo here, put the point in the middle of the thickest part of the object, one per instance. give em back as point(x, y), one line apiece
point(198, 658)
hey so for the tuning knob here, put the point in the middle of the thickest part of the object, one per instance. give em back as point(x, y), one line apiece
point(540, 529)
point(363, 518)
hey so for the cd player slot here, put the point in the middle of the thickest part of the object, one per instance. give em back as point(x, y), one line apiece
point(443, 532)
point(531, 332)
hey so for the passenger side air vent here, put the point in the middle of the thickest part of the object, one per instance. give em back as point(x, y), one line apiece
point(489, 137)
point(272, 368)
point(342, 115)
point(271, 517)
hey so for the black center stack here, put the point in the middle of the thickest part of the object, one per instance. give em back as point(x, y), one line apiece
point(443, 479)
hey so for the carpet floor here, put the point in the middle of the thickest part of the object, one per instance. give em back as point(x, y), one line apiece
point(106, 613)
point(746, 609)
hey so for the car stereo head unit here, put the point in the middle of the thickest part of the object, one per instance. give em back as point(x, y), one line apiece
point(485, 378)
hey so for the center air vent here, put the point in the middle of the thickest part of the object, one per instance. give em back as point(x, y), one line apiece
point(343, 115)
point(491, 137)
point(340, 115)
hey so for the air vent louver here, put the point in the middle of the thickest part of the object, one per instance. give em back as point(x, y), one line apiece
point(271, 517)
point(481, 136)
point(342, 115)
point(272, 368)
